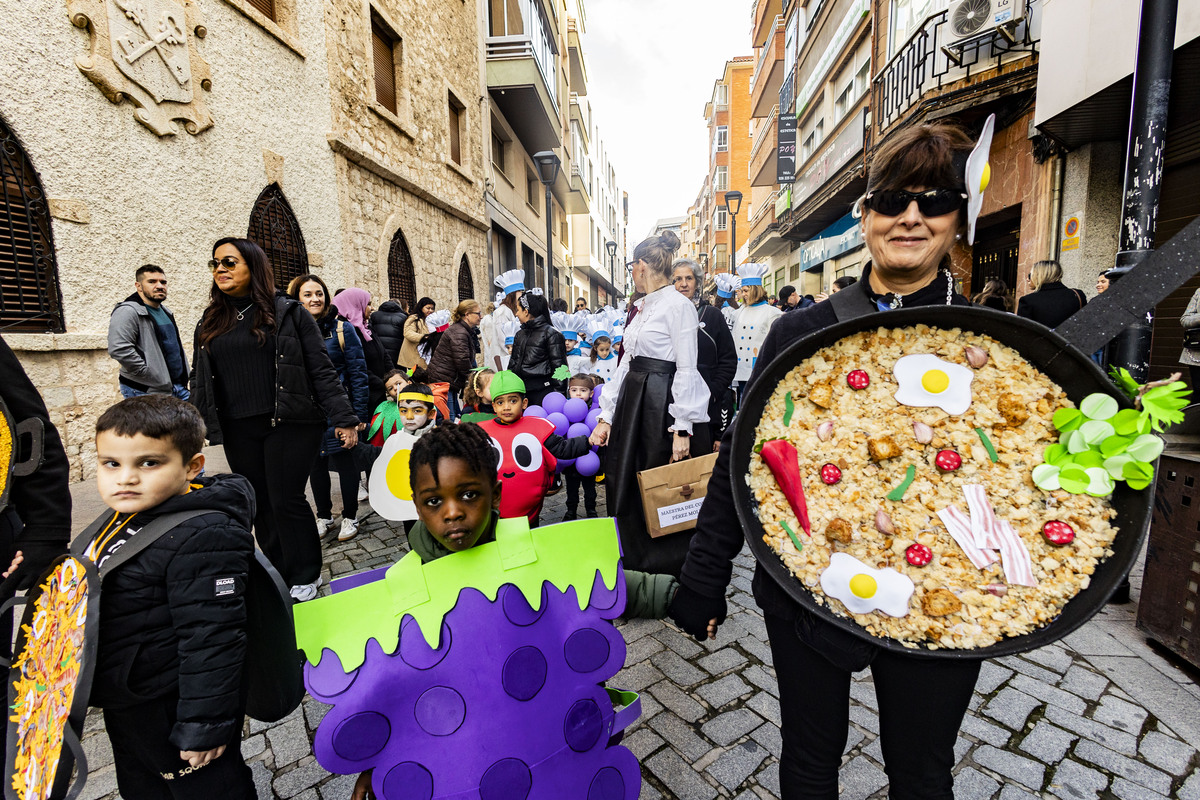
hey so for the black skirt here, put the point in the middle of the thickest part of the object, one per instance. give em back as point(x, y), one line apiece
point(640, 440)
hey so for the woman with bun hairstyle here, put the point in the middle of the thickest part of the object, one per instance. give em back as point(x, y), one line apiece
point(454, 357)
point(655, 409)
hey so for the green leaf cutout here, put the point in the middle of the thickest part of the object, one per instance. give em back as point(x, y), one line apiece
point(1127, 422)
point(1055, 454)
point(1101, 483)
point(1138, 470)
point(1074, 479)
point(987, 445)
point(1077, 443)
point(1115, 445)
point(1116, 465)
point(1089, 459)
point(1096, 431)
point(1045, 476)
point(1068, 419)
point(789, 408)
point(1146, 447)
point(1164, 404)
point(1098, 406)
point(1124, 381)
point(897, 494)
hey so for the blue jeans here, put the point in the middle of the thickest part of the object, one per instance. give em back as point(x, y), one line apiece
point(179, 391)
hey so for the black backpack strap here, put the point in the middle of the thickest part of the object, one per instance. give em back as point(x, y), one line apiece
point(852, 302)
point(149, 533)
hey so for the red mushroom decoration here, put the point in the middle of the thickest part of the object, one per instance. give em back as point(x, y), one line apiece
point(858, 379)
point(831, 474)
point(918, 554)
point(947, 460)
point(1057, 532)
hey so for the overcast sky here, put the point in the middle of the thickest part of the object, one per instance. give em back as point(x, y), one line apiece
point(651, 66)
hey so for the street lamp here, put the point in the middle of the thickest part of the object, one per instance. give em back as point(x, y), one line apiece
point(733, 204)
point(547, 165)
point(611, 247)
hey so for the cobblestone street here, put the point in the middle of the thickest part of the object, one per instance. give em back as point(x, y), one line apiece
point(1098, 715)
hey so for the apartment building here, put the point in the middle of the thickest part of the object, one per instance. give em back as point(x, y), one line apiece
point(727, 114)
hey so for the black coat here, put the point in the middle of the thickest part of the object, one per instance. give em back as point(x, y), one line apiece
point(387, 325)
point(454, 357)
point(378, 365)
point(164, 627)
point(716, 360)
point(307, 388)
point(1051, 304)
point(538, 350)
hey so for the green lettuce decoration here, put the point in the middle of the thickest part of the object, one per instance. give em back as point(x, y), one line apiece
point(1101, 443)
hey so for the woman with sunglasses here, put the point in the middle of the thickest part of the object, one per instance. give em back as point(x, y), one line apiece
point(265, 385)
point(913, 212)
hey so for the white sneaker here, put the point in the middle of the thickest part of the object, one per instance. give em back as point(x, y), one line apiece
point(362, 493)
point(306, 591)
point(349, 530)
point(324, 526)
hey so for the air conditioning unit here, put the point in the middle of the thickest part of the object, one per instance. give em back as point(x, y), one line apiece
point(968, 18)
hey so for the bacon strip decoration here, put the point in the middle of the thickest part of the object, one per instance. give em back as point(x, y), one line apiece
point(960, 528)
point(983, 519)
point(1014, 556)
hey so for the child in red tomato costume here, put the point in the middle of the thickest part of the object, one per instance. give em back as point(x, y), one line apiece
point(529, 449)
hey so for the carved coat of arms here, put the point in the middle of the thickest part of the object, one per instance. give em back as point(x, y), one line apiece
point(144, 51)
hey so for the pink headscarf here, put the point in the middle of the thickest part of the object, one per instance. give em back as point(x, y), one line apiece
point(352, 304)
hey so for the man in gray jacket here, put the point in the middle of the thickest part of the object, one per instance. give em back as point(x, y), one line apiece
point(145, 341)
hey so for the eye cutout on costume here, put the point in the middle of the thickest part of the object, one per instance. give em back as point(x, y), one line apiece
point(527, 452)
point(499, 448)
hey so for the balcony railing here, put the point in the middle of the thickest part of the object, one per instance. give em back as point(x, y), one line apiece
point(932, 58)
point(767, 207)
point(526, 38)
point(763, 132)
point(768, 51)
point(787, 93)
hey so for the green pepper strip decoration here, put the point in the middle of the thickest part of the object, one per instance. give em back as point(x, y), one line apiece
point(792, 534)
point(789, 408)
point(897, 494)
point(987, 443)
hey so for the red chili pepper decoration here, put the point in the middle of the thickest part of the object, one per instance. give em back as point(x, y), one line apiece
point(781, 457)
point(947, 460)
point(858, 379)
point(1059, 533)
point(918, 554)
point(831, 474)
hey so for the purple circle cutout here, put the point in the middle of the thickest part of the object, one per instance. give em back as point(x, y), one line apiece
point(361, 736)
point(507, 779)
point(327, 678)
point(440, 711)
point(586, 650)
point(517, 608)
point(410, 780)
point(524, 673)
point(415, 651)
point(607, 785)
point(583, 726)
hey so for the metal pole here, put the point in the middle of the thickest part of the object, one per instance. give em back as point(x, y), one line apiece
point(549, 247)
point(1143, 168)
point(733, 241)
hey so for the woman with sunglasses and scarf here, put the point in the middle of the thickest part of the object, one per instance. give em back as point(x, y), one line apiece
point(264, 384)
point(913, 212)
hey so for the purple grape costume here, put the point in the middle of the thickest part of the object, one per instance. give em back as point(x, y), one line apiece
point(479, 675)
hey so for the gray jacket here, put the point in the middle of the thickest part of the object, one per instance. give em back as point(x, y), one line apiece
point(133, 342)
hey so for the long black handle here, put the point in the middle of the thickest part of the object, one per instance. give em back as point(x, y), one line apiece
point(1128, 300)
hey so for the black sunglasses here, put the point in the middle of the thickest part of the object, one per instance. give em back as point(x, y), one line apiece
point(931, 203)
point(228, 262)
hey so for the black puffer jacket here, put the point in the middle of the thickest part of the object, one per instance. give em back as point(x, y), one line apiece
point(387, 325)
point(164, 625)
point(454, 357)
point(716, 359)
point(538, 350)
point(307, 388)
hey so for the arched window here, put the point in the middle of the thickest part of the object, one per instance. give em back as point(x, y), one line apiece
point(402, 280)
point(29, 296)
point(273, 227)
point(466, 286)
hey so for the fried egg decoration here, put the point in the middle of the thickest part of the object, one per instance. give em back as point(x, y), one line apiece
point(927, 381)
point(390, 490)
point(863, 589)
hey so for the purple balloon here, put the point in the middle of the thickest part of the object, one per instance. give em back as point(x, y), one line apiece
point(563, 463)
point(553, 402)
point(535, 411)
point(576, 409)
point(578, 429)
point(596, 395)
point(587, 464)
point(592, 418)
point(561, 424)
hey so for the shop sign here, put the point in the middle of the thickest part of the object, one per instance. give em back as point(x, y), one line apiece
point(845, 146)
point(783, 201)
point(816, 251)
point(785, 160)
point(858, 9)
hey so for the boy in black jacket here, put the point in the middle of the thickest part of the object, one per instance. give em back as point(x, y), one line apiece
point(173, 618)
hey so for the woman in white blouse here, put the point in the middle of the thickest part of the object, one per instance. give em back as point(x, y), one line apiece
point(654, 406)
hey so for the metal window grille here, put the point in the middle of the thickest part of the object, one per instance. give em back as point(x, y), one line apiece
point(402, 280)
point(466, 285)
point(267, 7)
point(29, 292)
point(274, 228)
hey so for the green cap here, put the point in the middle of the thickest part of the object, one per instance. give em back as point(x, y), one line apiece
point(506, 382)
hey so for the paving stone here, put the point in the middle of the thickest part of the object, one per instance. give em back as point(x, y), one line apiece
point(98, 751)
point(1011, 792)
point(289, 742)
point(1011, 707)
point(991, 675)
point(314, 712)
point(650, 706)
point(681, 735)
point(722, 661)
point(1120, 714)
point(636, 677)
point(768, 778)
point(736, 764)
point(723, 691)
point(961, 748)
point(641, 649)
point(860, 715)
point(1191, 787)
point(1084, 683)
point(634, 629)
point(727, 728)
point(761, 678)
point(1092, 640)
point(853, 737)
point(860, 779)
point(678, 775)
point(292, 783)
point(1090, 729)
point(770, 737)
point(643, 742)
point(1047, 743)
point(680, 702)
point(1074, 781)
point(1127, 790)
point(875, 750)
point(760, 650)
point(101, 783)
point(1029, 668)
point(985, 731)
point(649, 792)
point(340, 788)
point(678, 671)
point(864, 692)
point(1118, 764)
point(971, 784)
point(1048, 693)
point(685, 646)
point(1052, 657)
point(1166, 752)
point(262, 780)
point(1010, 765)
point(767, 706)
point(251, 747)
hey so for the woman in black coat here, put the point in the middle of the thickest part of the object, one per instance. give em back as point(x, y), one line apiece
point(716, 353)
point(387, 324)
point(265, 386)
point(539, 350)
point(1050, 303)
point(454, 357)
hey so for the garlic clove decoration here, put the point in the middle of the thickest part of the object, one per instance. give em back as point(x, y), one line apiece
point(883, 523)
point(825, 431)
point(922, 432)
point(976, 356)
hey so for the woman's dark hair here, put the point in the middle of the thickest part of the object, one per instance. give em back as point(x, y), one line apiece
point(418, 308)
point(845, 281)
point(510, 300)
point(466, 441)
point(159, 416)
point(295, 284)
point(932, 155)
point(993, 288)
point(536, 305)
point(560, 305)
point(221, 315)
point(658, 253)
